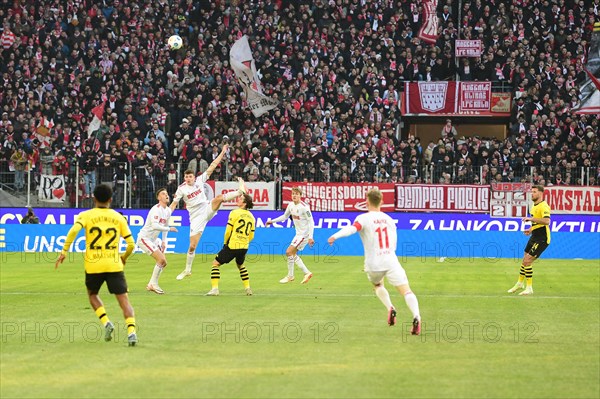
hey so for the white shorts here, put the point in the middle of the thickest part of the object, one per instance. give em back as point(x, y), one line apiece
point(199, 220)
point(148, 246)
point(395, 276)
point(299, 242)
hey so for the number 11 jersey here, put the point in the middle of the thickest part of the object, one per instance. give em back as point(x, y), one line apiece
point(378, 234)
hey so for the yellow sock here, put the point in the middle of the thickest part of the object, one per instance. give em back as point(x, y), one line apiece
point(522, 274)
point(215, 275)
point(244, 276)
point(101, 313)
point(130, 322)
point(529, 275)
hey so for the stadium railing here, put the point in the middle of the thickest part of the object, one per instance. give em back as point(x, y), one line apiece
point(135, 186)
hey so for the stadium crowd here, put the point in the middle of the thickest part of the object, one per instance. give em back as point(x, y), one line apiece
point(335, 66)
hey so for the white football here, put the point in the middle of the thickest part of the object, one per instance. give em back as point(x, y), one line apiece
point(175, 42)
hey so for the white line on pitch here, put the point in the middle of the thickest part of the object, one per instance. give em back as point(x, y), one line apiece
point(332, 295)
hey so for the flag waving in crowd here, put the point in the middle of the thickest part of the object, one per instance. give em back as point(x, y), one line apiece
point(98, 113)
point(242, 63)
point(590, 88)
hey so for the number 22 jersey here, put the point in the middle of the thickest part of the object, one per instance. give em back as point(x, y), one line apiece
point(104, 228)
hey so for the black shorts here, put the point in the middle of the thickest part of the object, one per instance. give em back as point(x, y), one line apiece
point(227, 254)
point(536, 246)
point(115, 281)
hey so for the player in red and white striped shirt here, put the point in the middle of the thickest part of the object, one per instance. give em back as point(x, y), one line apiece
point(378, 234)
point(7, 38)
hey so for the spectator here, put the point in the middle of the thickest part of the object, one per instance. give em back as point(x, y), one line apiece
point(337, 76)
point(19, 161)
point(449, 129)
point(30, 217)
point(47, 160)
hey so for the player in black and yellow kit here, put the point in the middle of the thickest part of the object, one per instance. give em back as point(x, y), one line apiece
point(104, 228)
point(538, 242)
point(238, 234)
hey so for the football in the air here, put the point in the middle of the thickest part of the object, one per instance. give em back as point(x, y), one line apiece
point(175, 42)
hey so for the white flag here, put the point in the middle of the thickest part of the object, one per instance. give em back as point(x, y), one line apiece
point(589, 89)
point(52, 188)
point(243, 65)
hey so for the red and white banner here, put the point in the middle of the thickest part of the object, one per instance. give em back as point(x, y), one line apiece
point(430, 98)
point(339, 196)
point(510, 200)
point(475, 96)
point(262, 193)
point(429, 29)
point(570, 199)
point(442, 198)
point(451, 99)
point(468, 48)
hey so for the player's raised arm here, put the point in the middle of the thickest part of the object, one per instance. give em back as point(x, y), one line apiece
point(281, 218)
point(176, 199)
point(217, 161)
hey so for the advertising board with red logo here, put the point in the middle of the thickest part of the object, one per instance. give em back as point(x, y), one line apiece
point(262, 193)
point(573, 199)
point(339, 196)
point(451, 99)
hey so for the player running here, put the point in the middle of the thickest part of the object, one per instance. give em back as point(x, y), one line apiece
point(378, 234)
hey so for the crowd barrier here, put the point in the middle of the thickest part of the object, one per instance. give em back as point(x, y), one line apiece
point(449, 235)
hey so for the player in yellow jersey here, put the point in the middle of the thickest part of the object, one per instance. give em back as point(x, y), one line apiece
point(538, 242)
point(104, 228)
point(238, 234)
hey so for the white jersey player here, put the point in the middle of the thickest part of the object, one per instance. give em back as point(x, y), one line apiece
point(305, 225)
point(201, 210)
point(157, 222)
point(378, 234)
point(196, 201)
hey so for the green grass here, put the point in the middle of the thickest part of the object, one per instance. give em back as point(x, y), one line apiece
point(328, 339)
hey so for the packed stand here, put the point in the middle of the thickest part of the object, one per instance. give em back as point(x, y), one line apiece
point(336, 67)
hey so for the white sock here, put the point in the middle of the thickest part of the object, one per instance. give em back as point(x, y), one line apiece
point(290, 263)
point(232, 195)
point(413, 304)
point(384, 296)
point(301, 265)
point(156, 274)
point(189, 260)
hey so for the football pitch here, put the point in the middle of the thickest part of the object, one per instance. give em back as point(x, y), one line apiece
point(326, 339)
